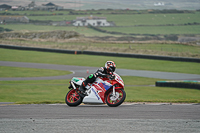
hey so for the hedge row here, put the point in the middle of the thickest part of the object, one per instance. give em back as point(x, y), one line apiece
point(191, 85)
point(171, 37)
point(4, 29)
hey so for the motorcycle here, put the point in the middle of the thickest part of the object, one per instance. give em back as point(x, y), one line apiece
point(102, 91)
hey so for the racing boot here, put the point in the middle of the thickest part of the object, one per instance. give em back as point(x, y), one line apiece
point(89, 79)
point(82, 88)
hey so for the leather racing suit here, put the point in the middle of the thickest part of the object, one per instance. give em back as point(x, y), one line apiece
point(102, 72)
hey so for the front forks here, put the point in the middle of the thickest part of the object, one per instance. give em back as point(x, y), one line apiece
point(73, 85)
point(81, 94)
point(114, 91)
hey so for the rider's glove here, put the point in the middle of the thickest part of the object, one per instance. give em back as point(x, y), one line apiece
point(112, 77)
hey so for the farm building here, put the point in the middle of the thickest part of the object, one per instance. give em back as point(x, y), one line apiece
point(4, 19)
point(33, 6)
point(51, 6)
point(94, 21)
point(5, 7)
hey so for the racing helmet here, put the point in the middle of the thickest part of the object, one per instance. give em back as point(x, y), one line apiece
point(110, 66)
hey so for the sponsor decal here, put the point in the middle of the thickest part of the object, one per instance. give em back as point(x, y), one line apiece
point(105, 86)
point(75, 79)
point(97, 95)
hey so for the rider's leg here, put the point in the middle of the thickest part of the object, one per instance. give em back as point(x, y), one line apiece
point(89, 79)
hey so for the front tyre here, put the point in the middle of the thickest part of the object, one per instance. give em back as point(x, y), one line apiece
point(118, 99)
point(73, 98)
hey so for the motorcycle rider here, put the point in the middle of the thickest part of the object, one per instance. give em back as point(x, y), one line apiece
point(106, 71)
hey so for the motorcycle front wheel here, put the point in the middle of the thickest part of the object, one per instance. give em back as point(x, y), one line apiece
point(117, 99)
point(73, 98)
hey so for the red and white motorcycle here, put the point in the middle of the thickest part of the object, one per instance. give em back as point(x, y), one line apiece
point(103, 90)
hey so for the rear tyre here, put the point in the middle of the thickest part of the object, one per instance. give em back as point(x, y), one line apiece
point(73, 99)
point(118, 99)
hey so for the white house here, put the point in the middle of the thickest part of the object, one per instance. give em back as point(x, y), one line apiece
point(159, 4)
point(94, 21)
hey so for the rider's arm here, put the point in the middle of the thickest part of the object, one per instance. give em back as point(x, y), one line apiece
point(101, 73)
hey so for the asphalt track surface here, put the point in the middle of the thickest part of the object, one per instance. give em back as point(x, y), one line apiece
point(127, 118)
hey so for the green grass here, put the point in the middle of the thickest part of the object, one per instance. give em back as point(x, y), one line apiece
point(122, 20)
point(29, 72)
point(133, 80)
point(189, 29)
point(98, 61)
point(162, 94)
point(55, 17)
point(54, 91)
point(153, 19)
point(133, 19)
point(33, 91)
point(194, 29)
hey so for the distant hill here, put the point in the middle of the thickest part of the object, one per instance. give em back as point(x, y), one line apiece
point(113, 4)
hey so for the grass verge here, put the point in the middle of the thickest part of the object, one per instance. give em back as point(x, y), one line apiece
point(156, 30)
point(162, 94)
point(6, 71)
point(138, 89)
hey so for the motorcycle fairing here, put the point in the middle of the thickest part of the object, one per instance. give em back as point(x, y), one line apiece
point(119, 79)
point(93, 96)
point(78, 80)
point(97, 91)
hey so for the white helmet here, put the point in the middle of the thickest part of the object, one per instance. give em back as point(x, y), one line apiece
point(110, 66)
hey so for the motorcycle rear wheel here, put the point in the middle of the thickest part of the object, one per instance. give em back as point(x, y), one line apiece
point(117, 100)
point(73, 99)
